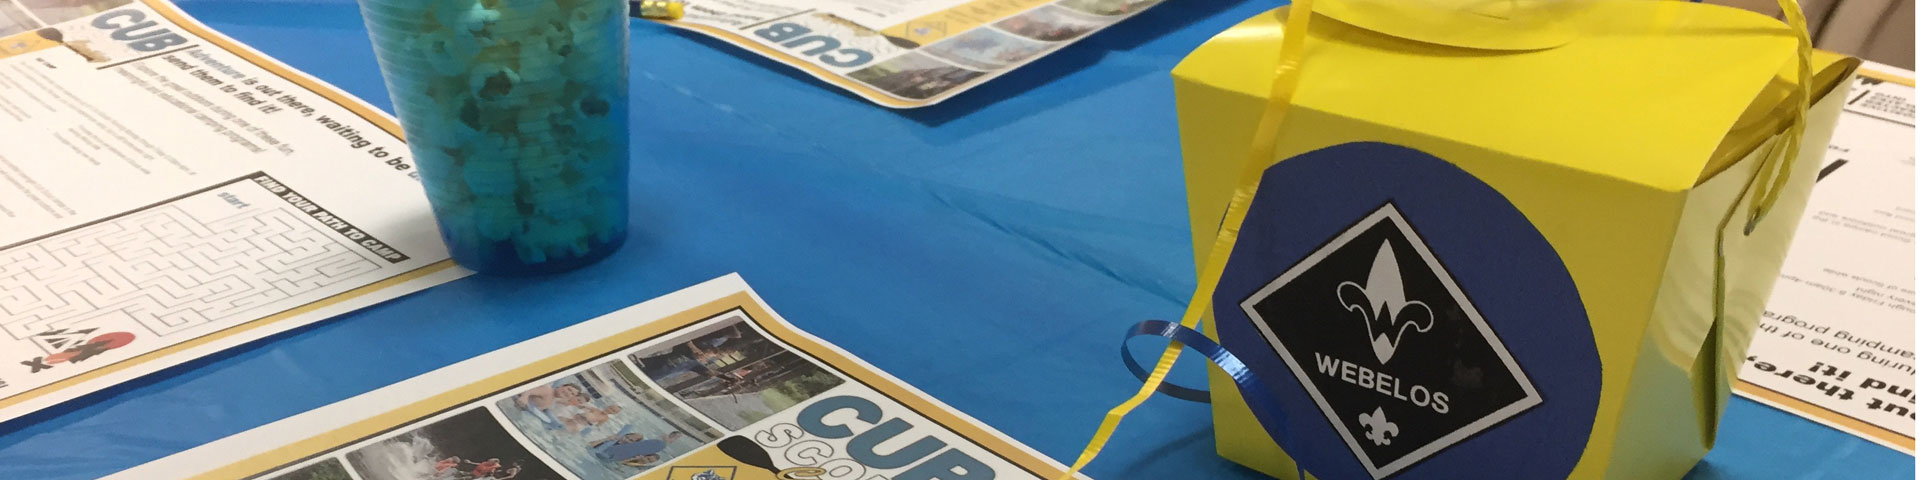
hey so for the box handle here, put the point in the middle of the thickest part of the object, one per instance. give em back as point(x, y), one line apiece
point(1773, 174)
point(1767, 183)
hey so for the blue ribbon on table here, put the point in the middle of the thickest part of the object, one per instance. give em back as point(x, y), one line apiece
point(1266, 408)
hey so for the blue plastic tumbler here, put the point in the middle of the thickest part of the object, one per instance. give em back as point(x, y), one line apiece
point(516, 114)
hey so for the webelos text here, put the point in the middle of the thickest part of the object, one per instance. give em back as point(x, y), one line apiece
point(1380, 382)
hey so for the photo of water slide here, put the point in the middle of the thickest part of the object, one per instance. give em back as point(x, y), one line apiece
point(915, 76)
point(468, 446)
point(605, 423)
point(732, 374)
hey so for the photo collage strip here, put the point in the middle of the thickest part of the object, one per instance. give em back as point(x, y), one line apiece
point(612, 418)
point(989, 50)
point(18, 17)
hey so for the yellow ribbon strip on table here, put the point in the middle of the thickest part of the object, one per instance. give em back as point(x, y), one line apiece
point(1286, 77)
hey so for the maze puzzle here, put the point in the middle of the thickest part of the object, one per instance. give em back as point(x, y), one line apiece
point(168, 270)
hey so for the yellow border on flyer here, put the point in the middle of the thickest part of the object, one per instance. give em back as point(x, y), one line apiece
point(1798, 406)
point(179, 18)
point(870, 93)
point(472, 394)
point(1802, 407)
point(1879, 75)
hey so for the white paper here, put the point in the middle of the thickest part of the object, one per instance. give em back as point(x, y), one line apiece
point(768, 388)
point(166, 192)
point(1836, 342)
point(905, 53)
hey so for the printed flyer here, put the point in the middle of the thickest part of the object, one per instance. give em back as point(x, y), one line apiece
point(166, 192)
point(904, 54)
point(707, 383)
point(1836, 343)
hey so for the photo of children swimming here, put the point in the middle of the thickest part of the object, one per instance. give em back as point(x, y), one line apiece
point(605, 422)
point(986, 49)
point(458, 468)
point(468, 446)
point(733, 374)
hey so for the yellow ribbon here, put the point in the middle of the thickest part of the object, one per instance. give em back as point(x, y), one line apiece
point(1266, 138)
point(1778, 167)
point(1788, 147)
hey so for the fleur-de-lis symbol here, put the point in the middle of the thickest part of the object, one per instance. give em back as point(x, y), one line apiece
point(1382, 304)
point(1379, 429)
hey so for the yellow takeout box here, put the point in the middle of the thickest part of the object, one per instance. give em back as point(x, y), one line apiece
point(1499, 263)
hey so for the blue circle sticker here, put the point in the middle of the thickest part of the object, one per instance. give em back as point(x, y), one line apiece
point(1411, 322)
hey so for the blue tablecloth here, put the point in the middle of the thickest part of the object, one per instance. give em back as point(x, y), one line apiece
point(990, 250)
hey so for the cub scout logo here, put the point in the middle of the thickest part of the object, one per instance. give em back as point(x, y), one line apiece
point(701, 473)
point(1389, 347)
point(1379, 430)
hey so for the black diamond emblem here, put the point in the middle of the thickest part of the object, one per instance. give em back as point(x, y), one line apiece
point(1389, 346)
